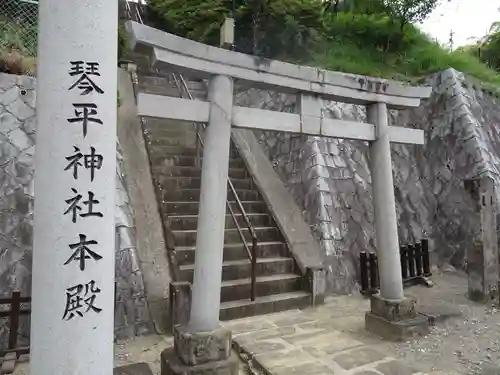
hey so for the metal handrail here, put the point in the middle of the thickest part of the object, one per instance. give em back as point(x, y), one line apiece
point(181, 84)
point(252, 255)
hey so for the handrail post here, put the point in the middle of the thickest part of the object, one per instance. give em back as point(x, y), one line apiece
point(363, 271)
point(15, 308)
point(197, 136)
point(254, 270)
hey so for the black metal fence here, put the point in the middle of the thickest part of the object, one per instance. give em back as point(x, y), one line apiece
point(12, 309)
point(415, 267)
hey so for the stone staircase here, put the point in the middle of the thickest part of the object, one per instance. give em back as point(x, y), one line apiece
point(177, 177)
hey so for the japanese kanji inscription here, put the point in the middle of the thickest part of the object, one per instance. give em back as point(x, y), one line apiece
point(81, 298)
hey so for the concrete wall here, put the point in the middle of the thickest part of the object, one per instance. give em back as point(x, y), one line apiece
point(150, 241)
point(330, 178)
point(17, 149)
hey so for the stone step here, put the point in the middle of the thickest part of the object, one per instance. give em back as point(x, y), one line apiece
point(173, 183)
point(171, 90)
point(179, 146)
point(164, 137)
point(157, 86)
point(166, 169)
point(186, 150)
point(243, 194)
point(188, 237)
point(167, 80)
point(185, 222)
point(236, 251)
point(156, 80)
point(191, 208)
point(238, 269)
point(157, 144)
point(154, 125)
point(233, 290)
point(193, 194)
point(190, 161)
point(264, 305)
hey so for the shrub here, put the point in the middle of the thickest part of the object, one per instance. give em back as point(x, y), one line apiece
point(122, 41)
point(279, 26)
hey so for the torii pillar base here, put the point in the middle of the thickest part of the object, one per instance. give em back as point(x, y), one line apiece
point(199, 353)
point(395, 320)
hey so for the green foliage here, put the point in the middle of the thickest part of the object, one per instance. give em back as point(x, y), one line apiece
point(363, 6)
point(20, 37)
point(488, 48)
point(371, 37)
point(372, 31)
point(195, 19)
point(358, 47)
point(410, 11)
point(268, 28)
point(280, 27)
point(122, 41)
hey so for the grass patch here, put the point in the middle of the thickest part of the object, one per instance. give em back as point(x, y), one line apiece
point(17, 48)
point(367, 46)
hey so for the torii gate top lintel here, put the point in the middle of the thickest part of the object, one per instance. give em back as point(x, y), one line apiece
point(184, 55)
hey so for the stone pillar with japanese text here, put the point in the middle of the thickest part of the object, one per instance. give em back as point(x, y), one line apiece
point(73, 255)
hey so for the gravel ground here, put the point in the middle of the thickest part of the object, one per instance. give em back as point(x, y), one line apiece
point(467, 345)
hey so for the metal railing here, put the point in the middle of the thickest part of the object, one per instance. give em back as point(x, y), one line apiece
point(415, 267)
point(183, 88)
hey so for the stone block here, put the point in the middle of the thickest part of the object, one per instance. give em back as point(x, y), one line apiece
point(395, 368)
point(358, 357)
point(313, 368)
point(171, 365)
point(480, 289)
point(315, 281)
point(197, 348)
point(439, 313)
point(141, 368)
point(180, 304)
point(482, 254)
point(393, 310)
point(396, 330)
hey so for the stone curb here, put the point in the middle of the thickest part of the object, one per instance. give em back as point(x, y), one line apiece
point(254, 366)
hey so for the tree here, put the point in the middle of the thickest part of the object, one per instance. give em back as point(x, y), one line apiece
point(410, 11)
point(267, 28)
point(488, 48)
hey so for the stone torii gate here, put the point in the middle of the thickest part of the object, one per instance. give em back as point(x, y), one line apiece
point(390, 310)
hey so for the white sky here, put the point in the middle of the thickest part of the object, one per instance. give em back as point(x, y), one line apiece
point(467, 18)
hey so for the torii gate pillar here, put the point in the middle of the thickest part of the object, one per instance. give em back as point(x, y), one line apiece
point(203, 345)
point(392, 314)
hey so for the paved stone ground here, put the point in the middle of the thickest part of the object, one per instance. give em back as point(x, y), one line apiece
point(315, 343)
point(140, 349)
point(331, 339)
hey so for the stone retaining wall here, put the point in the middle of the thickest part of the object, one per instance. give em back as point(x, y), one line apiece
point(330, 178)
point(17, 149)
